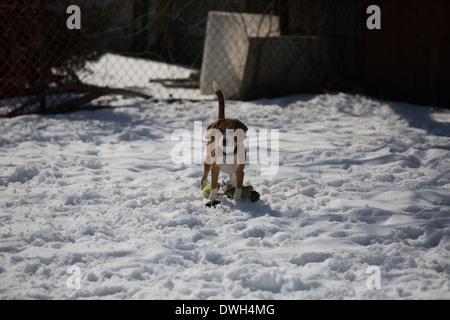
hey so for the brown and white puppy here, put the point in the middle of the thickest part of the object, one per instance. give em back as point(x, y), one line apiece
point(225, 150)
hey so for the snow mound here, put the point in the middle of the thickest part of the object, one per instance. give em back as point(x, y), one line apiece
point(361, 182)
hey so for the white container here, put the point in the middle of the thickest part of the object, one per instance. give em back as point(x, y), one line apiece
point(226, 48)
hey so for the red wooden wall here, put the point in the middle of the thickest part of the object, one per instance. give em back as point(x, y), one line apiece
point(409, 58)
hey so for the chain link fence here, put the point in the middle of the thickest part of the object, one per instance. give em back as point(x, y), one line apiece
point(170, 49)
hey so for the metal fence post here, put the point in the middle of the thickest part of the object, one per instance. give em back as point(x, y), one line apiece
point(41, 62)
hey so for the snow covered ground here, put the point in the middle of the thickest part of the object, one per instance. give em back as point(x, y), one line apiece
point(95, 196)
point(134, 73)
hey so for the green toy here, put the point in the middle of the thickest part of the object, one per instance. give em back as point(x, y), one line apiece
point(207, 190)
point(228, 192)
point(247, 192)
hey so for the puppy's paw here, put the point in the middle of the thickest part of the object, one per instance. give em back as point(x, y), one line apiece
point(203, 184)
point(254, 196)
point(212, 203)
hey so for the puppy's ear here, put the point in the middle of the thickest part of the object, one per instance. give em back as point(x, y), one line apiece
point(218, 125)
point(213, 130)
point(210, 133)
point(239, 125)
point(240, 130)
point(213, 125)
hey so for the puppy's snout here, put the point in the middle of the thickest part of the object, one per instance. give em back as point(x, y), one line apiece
point(227, 144)
point(224, 141)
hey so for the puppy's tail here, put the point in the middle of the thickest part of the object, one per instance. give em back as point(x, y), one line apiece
point(221, 99)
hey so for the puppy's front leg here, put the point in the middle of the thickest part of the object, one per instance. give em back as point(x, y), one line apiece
point(214, 179)
point(239, 183)
point(233, 179)
point(206, 169)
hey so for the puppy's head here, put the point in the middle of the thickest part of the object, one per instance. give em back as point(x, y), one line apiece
point(228, 128)
point(222, 125)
